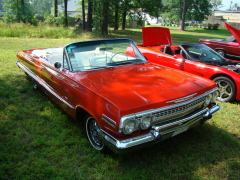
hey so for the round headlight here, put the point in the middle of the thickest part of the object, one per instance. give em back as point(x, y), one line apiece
point(146, 122)
point(207, 100)
point(129, 126)
point(215, 96)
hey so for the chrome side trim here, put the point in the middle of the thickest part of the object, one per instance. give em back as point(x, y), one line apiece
point(109, 121)
point(233, 55)
point(42, 83)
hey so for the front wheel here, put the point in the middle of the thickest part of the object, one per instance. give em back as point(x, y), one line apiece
point(227, 89)
point(93, 133)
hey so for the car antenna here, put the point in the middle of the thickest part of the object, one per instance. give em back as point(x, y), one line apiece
point(25, 41)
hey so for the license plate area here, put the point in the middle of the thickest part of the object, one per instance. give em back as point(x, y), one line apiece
point(180, 130)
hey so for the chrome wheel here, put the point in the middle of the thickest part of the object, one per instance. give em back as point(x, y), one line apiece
point(227, 89)
point(93, 133)
point(221, 52)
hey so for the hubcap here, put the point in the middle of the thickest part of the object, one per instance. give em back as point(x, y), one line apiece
point(225, 90)
point(94, 134)
point(221, 53)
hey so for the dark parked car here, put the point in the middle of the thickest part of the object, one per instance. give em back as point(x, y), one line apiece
point(226, 47)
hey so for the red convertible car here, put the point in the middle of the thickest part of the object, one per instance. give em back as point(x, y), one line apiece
point(226, 47)
point(124, 101)
point(193, 58)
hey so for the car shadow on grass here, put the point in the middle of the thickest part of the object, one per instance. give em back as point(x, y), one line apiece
point(202, 151)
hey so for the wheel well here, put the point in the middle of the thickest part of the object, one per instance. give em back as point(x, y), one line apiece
point(229, 77)
point(219, 49)
point(81, 114)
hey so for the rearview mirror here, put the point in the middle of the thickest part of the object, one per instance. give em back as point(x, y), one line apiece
point(179, 57)
point(57, 65)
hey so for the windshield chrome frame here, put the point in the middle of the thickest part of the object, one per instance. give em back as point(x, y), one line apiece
point(102, 40)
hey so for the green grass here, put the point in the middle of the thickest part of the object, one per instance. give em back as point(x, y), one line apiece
point(40, 141)
point(40, 31)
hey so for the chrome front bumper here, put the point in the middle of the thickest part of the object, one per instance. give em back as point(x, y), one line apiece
point(158, 133)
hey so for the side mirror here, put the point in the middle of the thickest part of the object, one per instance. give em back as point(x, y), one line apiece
point(179, 57)
point(57, 65)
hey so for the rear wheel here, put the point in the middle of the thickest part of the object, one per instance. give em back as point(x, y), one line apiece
point(221, 52)
point(93, 133)
point(227, 89)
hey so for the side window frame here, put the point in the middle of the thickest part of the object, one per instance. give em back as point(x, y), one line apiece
point(66, 64)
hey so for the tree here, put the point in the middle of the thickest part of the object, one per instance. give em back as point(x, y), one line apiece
point(216, 4)
point(124, 14)
point(196, 10)
point(65, 13)
point(151, 7)
point(55, 8)
point(184, 11)
point(234, 7)
point(18, 11)
point(1, 5)
point(83, 15)
point(105, 10)
point(116, 14)
point(90, 16)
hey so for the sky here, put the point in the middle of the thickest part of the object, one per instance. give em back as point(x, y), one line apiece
point(226, 3)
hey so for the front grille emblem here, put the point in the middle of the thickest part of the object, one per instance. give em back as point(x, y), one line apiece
point(182, 99)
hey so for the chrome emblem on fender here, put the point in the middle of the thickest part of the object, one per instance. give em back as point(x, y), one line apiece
point(182, 99)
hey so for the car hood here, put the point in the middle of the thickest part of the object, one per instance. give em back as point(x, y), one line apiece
point(235, 32)
point(146, 85)
point(155, 36)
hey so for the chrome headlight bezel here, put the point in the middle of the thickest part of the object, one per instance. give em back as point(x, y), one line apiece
point(208, 100)
point(215, 96)
point(146, 122)
point(129, 126)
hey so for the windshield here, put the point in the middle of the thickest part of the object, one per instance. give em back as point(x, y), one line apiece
point(200, 52)
point(231, 39)
point(90, 55)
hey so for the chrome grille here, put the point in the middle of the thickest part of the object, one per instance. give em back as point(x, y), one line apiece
point(173, 113)
point(177, 112)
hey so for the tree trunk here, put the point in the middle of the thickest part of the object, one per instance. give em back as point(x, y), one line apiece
point(116, 16)
point(18, 12)
point(55, 8)
point(124, 15)
point(89, 17)
point(65, 13)
point(22, 3)
point(124, 20)
point(22, 14)
point(183, 15)
point(83, 15)
point(105, 18)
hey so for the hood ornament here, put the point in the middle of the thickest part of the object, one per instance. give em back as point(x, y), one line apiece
point(182, 99)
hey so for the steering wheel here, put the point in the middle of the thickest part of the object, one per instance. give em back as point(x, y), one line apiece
point(204, 54)
point(111, 59)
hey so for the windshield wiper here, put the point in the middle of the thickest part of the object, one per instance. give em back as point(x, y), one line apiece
point(120, 63)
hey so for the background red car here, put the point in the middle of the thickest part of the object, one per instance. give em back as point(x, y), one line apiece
point(194, 58)
point(225, 47)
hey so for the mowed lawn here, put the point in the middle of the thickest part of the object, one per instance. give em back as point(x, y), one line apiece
point(40, 141)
